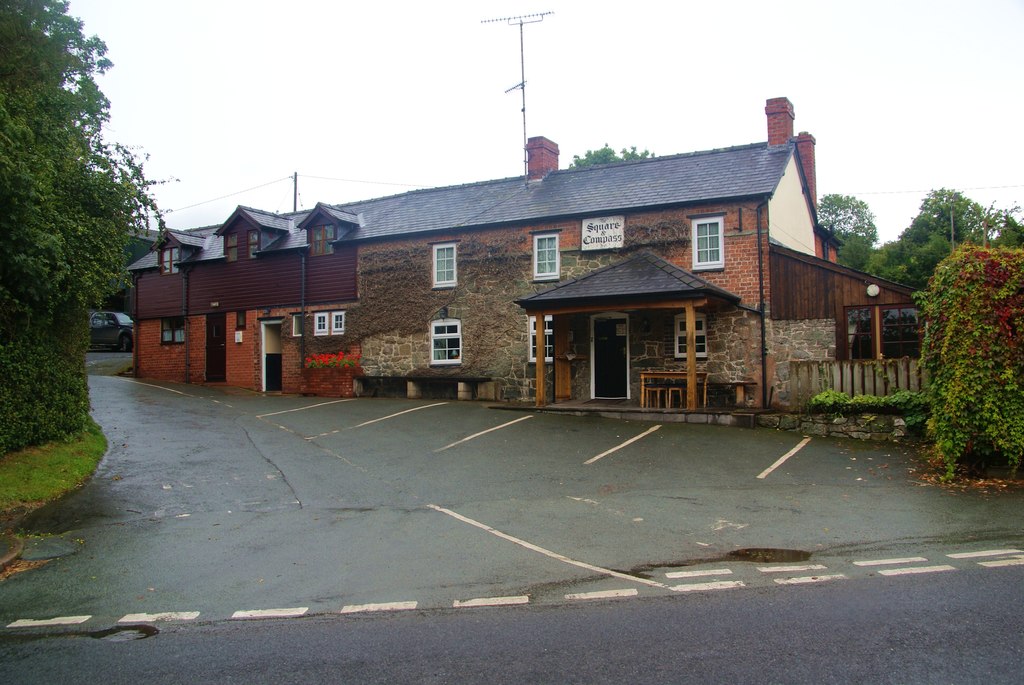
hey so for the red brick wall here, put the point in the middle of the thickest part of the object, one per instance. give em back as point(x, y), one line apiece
point(166, 361)
point(243, 367)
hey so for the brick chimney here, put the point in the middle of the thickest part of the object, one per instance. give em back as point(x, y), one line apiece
point(780, 120)
point(805, 147)
point(541, 157)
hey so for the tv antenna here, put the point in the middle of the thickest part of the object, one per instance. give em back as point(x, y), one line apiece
point(512, 21)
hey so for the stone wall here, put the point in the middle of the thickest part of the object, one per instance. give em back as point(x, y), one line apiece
point(859, 426)
point(795, 340)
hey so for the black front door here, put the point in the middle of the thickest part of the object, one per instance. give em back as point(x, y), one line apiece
point(611, 368)
point(216, 347)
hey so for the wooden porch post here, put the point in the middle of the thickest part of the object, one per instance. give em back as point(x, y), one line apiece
point(538, 339)
point(691, 357)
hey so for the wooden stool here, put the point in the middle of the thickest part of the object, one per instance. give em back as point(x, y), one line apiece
point(656, 392)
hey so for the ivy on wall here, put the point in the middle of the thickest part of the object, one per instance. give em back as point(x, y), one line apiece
point(974, 353)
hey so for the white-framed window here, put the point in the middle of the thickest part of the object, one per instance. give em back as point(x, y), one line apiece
point(708, 247)
point(446, 341)
point(702, 337)
point(337, 323)
point(549, 339)
point(321, 323)
point(546, 261)
point(445, 273)
point(172, 329)
point(297, 325)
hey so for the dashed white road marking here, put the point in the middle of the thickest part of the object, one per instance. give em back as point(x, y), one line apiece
point(384, 606)
point(491, 602)
point(56, 621)
point(715, 585)
point(312, 406)
point(603, 594)
point(997, 563)
point(806, 580)
point(699, 574)
point(782, 460)
point(271, 613)
point(625, 444)
point(791, 569)
point(546, 552)
point(477, 435)
point(915, 569)
point(984, 553)
point(164, 616)
point(890, 562)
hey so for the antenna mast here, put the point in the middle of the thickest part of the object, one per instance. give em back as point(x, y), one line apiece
point(512, 21)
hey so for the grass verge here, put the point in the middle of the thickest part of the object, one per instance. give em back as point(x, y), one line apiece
point(34, 476)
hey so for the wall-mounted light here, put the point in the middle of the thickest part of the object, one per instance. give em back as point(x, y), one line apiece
point(442, 312)
point(266, 311)
point(873, 290)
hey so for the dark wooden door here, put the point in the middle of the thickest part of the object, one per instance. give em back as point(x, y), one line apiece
point(610, 363)
point(216, 347)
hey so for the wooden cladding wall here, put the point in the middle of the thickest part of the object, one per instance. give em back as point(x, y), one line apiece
point(332, 278)
point(157, 295)
point(880, 377)
point(806, 288)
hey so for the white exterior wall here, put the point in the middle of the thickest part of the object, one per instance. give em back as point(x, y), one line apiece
point(788, 214)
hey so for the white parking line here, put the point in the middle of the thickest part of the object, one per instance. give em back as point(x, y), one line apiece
point(545, 552)
point(384, 606)
point(806, 580)
point(312, 406)
point(782, 460)
point(385, 418)
point(603, 594)
point(477, 435)
point(491, 602)
point(984, 553)
point(625, 444)
point(791, 569)
point(271, 613)
point(164, 616)
point(41, 623)
point(915, 569)
point(890, 562)
point(699, 574)
point(701, 587)
point(997, 563)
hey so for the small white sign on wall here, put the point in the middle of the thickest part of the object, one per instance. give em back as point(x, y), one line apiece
point(238, 336)
point(603, 233)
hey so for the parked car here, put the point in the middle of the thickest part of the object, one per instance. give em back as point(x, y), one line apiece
point(114, 330)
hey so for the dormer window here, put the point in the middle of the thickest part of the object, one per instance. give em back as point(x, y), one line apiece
point(231, 247)
point(169, 260)
point(320, 238)
point(254, 243)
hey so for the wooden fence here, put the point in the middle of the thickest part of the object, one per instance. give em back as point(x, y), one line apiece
point(862, 377)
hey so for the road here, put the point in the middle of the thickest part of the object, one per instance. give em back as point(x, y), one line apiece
point(216, 506)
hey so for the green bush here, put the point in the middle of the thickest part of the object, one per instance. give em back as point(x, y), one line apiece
point(973, 351)
point(914, 406)
point(829, 402)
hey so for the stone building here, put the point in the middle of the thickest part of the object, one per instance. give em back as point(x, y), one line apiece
point(680, 280)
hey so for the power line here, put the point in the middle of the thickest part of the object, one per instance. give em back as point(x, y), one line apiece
point(354, 180)
point(237, 192)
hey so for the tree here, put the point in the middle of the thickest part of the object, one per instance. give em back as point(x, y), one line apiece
point(853, 222)
point(69, 204)
point(911, 259)
point(974, 353)
point(606, 155)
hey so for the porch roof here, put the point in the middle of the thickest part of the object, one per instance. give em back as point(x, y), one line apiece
point(644, 278)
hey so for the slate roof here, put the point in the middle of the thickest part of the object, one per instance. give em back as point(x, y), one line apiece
point(729, 173)
point(642, 277)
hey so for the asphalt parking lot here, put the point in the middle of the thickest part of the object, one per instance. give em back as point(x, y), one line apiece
point(218, 499)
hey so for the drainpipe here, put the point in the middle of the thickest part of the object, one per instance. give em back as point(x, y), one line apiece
point(302, 308)
point(760, 286)
point(185, 322)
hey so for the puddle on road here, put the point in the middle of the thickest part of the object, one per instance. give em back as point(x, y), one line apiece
point(124, 633)
point(768, 555)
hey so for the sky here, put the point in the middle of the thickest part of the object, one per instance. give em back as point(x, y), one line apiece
point(368, 99)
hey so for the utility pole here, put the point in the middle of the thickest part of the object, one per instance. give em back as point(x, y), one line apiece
point(295, 191)
point(512, 21)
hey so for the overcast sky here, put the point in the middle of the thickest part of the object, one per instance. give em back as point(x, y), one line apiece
point(366, 99)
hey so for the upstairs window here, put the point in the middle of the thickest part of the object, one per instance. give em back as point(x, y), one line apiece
point(320, 238)
point(169, 260)
point(321, 321)
point(701, 336)
point(337, 323)
point(445, 274)
point(708, 250)
point(446, 342)
point(545, 257)
point(254, 243)
point(231, 247)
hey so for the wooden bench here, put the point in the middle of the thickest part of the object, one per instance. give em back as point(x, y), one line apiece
point(741, 388)
point(466, 387)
